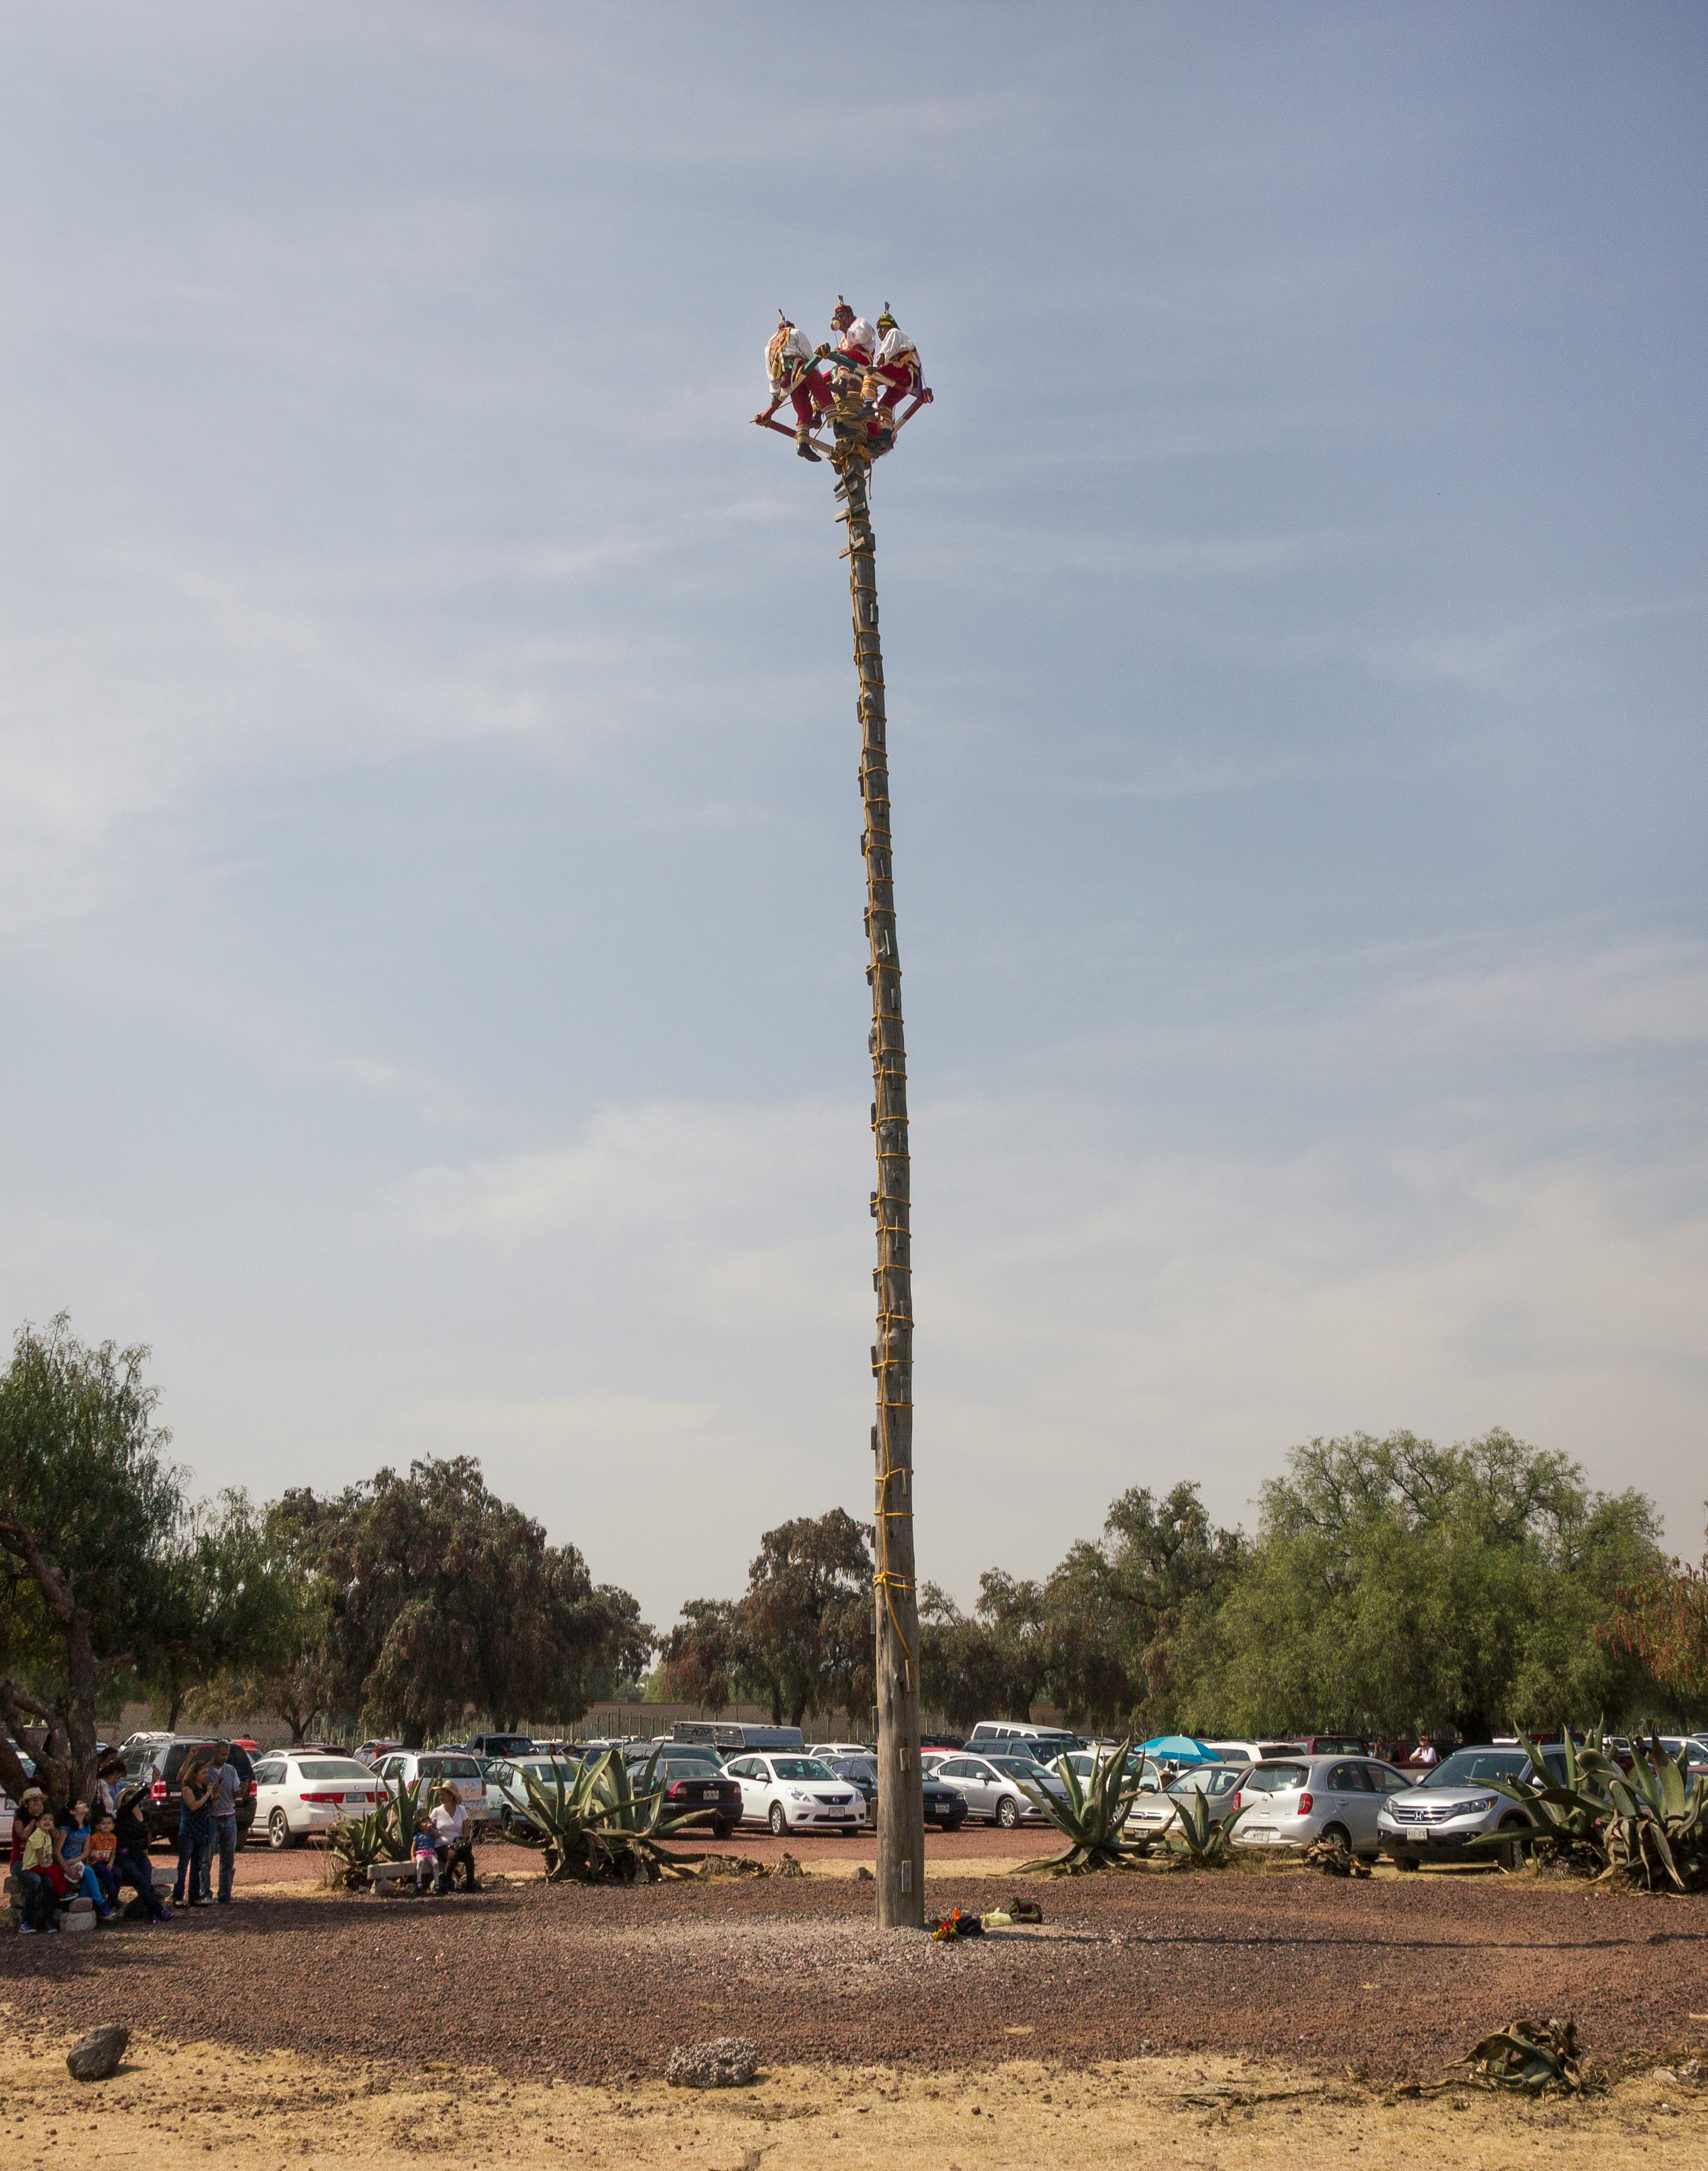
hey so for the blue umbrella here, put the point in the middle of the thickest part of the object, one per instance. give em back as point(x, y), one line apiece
point(1178, 1748)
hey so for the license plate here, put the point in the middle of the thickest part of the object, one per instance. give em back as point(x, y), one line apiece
point(1258, 1832)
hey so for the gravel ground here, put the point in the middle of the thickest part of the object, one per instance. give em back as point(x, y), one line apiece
point(1399, 1975)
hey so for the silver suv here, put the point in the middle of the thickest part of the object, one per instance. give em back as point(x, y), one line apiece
point(1438, 1817)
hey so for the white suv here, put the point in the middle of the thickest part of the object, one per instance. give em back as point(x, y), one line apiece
point(440, 1767)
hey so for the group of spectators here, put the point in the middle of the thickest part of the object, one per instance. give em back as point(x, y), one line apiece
point(95, 1849)
point(98, 1849)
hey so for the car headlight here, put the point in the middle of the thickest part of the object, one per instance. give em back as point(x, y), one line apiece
point(1477, 1808)
point(795, 1794)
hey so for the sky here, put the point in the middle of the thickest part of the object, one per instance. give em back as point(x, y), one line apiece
point(430, 948)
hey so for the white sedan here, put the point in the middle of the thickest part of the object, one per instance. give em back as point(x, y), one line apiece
point(796, 1794)
point(297, 1794)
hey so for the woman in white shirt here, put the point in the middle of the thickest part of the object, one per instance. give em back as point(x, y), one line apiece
point(451, 1841)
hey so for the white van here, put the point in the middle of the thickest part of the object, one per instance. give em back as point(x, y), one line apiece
point(732, 1739)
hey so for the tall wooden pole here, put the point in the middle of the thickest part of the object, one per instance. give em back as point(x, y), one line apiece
point(900, 1805)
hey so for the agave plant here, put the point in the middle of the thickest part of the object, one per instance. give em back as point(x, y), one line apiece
point(358, 1843)
point(593, 1823)
point(1659, 1825)
point(1572, 1813)
point(1529, 2055)
point(398, 1818)
point(1204, 1840)
point(1091, 1818)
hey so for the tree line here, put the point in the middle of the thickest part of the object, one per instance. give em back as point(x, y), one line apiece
point(1392, 1587)
point(400, 1604)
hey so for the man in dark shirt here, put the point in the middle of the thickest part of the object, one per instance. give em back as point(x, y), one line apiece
point(130, 1829)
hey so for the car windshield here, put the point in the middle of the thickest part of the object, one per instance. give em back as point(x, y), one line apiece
point(1023, 1769)
point(332, 1767)
point(858, 1767)
point(1214, 1780)
point(1275, 1778)
point(801, 1767)
point(1475, 1768)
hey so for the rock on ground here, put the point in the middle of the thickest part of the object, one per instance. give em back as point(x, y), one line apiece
point(729, 2062)
point(95, 2056)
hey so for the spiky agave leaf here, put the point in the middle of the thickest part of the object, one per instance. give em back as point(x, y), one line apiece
point(1091, 1818)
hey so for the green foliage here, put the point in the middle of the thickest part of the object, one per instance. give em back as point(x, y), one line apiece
point(234, 1608)
point(1661, 1619)
point(1205, 1840)
point(1396, 1584)
point(439, 1598)
point(799, 1638)
point(91, 1521)
point(1091, 1818)
point(594, 1825)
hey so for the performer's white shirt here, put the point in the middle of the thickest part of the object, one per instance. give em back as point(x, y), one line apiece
point(861, 334)
point(896, 343)
point(797, 347)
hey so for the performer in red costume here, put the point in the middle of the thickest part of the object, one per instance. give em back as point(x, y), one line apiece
point(792, 367)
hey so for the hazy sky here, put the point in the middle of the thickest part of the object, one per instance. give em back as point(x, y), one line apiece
point(432, 966)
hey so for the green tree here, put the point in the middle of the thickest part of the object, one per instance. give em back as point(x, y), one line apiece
point(1397, 1584)
point(988, 1665)
point(1661, 1621)
point(234, 1610)
point(91, 1517)
point(806, 1620)
point(440, 1599)
point(704, 1659)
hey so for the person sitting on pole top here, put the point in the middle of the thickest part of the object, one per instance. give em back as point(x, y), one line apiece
point(792, 367)
point(856, 339)
point(896, 362)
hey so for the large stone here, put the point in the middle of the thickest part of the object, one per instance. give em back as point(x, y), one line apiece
point(729, 2062)
point(96, 2057)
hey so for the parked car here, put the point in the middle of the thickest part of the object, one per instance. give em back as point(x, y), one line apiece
point(796, 1794)
point(1439, 1815)
point(1005, 1737)
point(731, 1740)
point(506, 1746)
point(8, 1806)
point(1254, 1752)
point(1336, 1744)
point(1155, 1812)
point(1289, 1802)
point(695, 1780)
point(299, 1791)
point(370, 1752)
point(944, 1807)
point(842, 1749)
point(941, 1741)
point(994, 1787)
point(155, 1761)
point(437, 1767)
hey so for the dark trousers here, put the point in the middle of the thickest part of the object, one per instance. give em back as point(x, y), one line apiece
point(224, 1840)
point(449, 1857)
point(131, 1866)
point(39, 1896)
point(194, 1846)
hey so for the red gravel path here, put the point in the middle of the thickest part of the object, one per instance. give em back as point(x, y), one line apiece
point(1401, 1974)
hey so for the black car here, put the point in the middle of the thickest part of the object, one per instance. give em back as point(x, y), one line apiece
point(944, 1806)
point(693, 1782)
point(156, 1761)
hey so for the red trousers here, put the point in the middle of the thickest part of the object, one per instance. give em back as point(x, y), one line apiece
point(901, 376)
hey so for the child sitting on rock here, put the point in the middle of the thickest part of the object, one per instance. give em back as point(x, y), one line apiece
point(425, 1851)
point(101, 1856)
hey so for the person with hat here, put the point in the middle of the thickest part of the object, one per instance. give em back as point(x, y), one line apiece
point(896, 363)
point(792, 367)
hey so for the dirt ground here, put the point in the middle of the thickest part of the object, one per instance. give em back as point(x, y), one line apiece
point(299, 2026)
point(280, 2111)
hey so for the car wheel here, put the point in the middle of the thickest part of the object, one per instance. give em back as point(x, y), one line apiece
point(1337, 1835)
point(506, 1822)
point(279, 1831)
point(1511, 1856)
point(954, 1824)
point(1406, 1861)
point(779, 1821)
point(722, 1827)
point(1008, 1812)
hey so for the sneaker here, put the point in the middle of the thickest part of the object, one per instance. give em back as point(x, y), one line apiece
point(224, 1900)
point(28, 1930)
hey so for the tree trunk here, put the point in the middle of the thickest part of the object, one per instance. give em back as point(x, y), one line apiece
point(901, 1804)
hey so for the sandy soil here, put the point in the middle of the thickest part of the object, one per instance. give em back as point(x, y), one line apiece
point(280, 2111)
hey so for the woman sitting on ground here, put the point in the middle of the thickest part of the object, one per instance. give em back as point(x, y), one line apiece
point(451, 1832)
